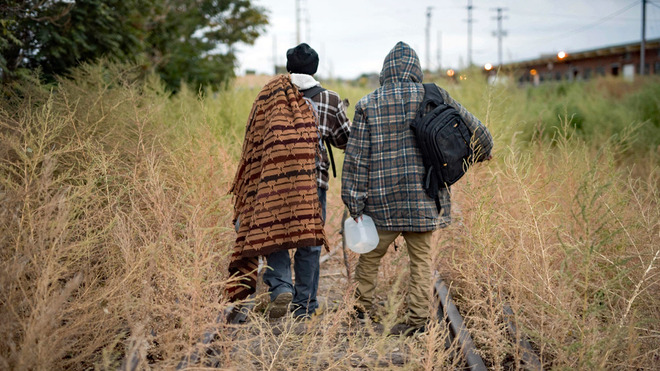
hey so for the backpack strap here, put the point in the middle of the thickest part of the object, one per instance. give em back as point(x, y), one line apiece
point(332, 159)
point(431, 96)
point(309, 94)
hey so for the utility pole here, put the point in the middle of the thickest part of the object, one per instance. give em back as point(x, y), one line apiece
point(275, 54)
point(643, 46)
point(469, 44)
point(308, 24)
point(297, 22)
point(500, 33)
point(428, 38)
point(438, 54)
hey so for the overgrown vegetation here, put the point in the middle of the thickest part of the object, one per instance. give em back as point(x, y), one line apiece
point(116, 231)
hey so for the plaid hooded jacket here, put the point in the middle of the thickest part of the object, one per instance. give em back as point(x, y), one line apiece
point(383, 171)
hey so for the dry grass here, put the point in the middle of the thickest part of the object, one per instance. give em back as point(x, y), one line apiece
point(115, 239)
point(571, 242)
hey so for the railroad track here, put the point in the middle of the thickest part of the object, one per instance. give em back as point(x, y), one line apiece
point(447, 312)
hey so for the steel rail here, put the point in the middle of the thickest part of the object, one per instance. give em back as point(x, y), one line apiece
point(448, 312)
point(528, 356)
point(457, 328)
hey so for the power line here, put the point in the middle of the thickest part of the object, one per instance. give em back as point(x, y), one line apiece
point(653, 19)
point(591, 25)
point(563, 15)
point(602, 20)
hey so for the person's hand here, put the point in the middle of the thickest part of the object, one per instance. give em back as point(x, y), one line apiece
point(358, 218)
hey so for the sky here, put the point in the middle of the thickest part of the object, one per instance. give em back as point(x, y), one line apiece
point(353, 36)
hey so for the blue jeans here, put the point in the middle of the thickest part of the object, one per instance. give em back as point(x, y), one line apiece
point(306, 267)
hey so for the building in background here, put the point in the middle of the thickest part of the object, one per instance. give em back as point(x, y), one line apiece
point(618, 60)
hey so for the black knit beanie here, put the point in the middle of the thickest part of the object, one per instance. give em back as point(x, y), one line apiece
point(302, 59)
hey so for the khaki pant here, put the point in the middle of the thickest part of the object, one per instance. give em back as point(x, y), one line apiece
point(419, 248)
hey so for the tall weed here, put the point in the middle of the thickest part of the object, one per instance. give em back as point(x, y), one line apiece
point(569, 240)
point(113, 236)
point(116, 232)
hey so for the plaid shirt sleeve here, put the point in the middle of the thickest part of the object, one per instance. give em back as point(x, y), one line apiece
point(481, 138)
point(355, 173)
point(335, 125)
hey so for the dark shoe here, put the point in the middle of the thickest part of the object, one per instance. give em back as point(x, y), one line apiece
point(280, 306)
point(300, 312)
point(237, 314)
point(406, 329)
point(361, 316)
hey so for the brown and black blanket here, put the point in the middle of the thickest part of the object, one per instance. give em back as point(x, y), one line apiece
point(275, 187)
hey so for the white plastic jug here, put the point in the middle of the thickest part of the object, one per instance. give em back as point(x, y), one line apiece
point(362, 236)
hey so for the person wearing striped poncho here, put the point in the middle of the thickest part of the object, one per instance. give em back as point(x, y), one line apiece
point(275, 187)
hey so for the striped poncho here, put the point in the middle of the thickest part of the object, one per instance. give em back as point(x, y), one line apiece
point(275, 190)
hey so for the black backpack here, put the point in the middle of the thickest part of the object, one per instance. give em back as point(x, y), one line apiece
point(443, 138)
point(309, 94)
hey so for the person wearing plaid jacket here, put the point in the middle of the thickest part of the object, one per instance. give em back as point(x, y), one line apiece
point(334, 125)
point(383, 176)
